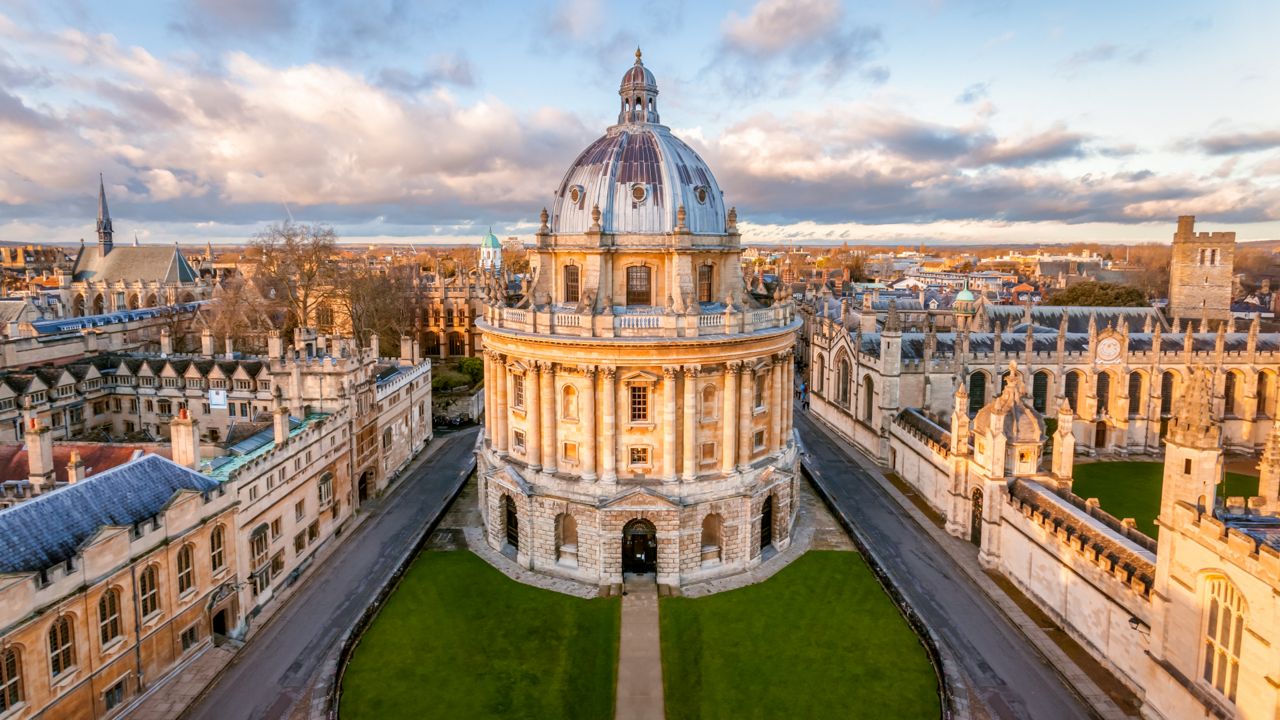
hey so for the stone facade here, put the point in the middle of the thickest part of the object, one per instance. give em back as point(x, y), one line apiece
point(1201, 273)
point(637, 392)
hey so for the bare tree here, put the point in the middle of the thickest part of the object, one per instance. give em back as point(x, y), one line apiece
point(295, 268)
point(239, 311)
point(375, 302)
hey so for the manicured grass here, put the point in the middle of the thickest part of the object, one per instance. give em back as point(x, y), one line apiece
point(820, 639)
point(1132, 489)
point(459, 639)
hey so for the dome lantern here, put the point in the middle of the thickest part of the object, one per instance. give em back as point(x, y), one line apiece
point(639, 93)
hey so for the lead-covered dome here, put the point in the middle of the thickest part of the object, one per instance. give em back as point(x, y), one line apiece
point(638, 174)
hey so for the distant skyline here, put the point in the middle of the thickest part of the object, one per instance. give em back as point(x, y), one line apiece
point(922, 121)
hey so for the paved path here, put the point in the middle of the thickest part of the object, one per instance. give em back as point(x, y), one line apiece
point(639, 653)
point(275, 670)
point(1005, 673)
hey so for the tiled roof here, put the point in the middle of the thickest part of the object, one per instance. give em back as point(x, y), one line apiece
point(47, 530)
point(1077, 316)
point(97, 458)
point(150, 263)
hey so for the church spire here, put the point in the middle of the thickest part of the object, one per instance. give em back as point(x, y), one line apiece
point(104, 218)
point(1192, 424)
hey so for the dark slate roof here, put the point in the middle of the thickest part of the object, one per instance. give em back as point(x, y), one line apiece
point(1264, 529)
point(49, 529)
point(1077, 316)
point(152, 263)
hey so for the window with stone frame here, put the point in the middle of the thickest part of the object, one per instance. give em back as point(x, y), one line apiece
point(639, 285)
point(217, 547)
point(638, 456)
point(109, 616)
point(708, 453)
point(706, 292)
point(757, 440)
point(517, 391)
point(1224, 628)
point(761, 380)
point(325, 489)
point(62, 651)
point(709, 404)
point(10, 679)
point(517, 440)
point(569, 453)
point(639, 403)
point(186, 570)
point(258, 546)
point(571, 283)
point(149, 591)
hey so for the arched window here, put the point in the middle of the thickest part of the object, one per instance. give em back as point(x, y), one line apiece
point(842, 380)
point(109, 616)
point(977, 391)
point(1166, 393)
point(566, 539)
point(1223, 629)
point(712, 530)
point(819, 374)
point(1073, 391)
point(1264, 394)
point(571, 283)
point(217, 545)
point(1135, 394)
point(569, 403)
point(708, 402)
point(868, 397)
point(706, 292)
point(62, 650)
point(639, 288)
point(1040, 391)
point(1104, 392)
point(186, 570)
point(761, 379)
point(10, 679)
point(1229, 394)
point(149, 590)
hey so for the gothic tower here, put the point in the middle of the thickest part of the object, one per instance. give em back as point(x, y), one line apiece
point(1193, 451)
point(1200, 273)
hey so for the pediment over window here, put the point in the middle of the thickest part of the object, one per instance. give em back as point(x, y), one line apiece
point(640, 377)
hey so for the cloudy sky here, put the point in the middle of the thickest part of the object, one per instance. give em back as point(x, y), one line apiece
point(918, 120)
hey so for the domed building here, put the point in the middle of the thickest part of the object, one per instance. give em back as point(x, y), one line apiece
point(490, 253)
point(638, 415)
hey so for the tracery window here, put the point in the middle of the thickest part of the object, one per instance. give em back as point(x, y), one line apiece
point(62, 652)
point(1224, 626)
point(10, 679)
point(1135, 394)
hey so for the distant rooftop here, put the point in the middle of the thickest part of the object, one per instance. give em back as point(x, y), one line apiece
point(255, 446)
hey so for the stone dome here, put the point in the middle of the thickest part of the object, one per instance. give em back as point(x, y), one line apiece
point(638, 175)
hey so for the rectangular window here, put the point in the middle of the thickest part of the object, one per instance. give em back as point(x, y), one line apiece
point(275, 529)
point(326, 489)
point(190, 637)
point(759, 388)
point(705, 292)
point(517, 391)
point(708, 455)
point(569, 452)
point(170, 382)
point(300, 510)
point(638, 286)
point(243, 384)
point(299, 543)
point(639, 403)
point(757, 440)
point(277, 564)
point(114, 696)
point(639, 456)
point(313, 531)
point(571, 283)
point(517, 440)
point(253, 493)
point(164, 407)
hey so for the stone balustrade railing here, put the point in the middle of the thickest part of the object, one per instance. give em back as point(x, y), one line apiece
point(632, 324)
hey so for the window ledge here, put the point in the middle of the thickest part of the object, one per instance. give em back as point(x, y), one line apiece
point(646, 425)
point(116, 643)
point(187, 594)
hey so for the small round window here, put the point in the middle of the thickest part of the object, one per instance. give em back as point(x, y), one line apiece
point(638, 193)
point(575, 194)
point(701, 193)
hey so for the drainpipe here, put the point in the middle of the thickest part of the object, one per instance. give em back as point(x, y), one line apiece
point(137, 626)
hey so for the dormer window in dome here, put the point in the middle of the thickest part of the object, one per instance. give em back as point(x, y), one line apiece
point(638, 193)
point(701, 194)
point(575, 194)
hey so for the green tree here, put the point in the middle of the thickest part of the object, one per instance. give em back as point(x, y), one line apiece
point(1098, 294)
point(473, 368)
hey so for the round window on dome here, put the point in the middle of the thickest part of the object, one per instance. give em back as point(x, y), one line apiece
point(639, 193)
point(701, 194)
point(575, 194)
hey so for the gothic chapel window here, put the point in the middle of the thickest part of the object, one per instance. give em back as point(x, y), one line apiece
point(1224, 626)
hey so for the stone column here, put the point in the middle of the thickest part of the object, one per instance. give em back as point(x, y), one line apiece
point(588, 453)
point(533, 417)
point(690, 417)
point(778, 405)
point(669, 424)
point(609, 428)
point(501, 409)
point(746, 401)
point(550, 448)
point(729, 418)
point(788, 420)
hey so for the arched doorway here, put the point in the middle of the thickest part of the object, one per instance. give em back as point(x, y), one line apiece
point(220, 623)
point(975, 519)
point(362, 486)
point(766, 523)
point(639, 547)
point(511, 521)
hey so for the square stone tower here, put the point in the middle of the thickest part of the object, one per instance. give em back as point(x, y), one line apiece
point(1200, 274)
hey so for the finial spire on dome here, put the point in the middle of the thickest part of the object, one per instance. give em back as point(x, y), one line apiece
point(638, 56)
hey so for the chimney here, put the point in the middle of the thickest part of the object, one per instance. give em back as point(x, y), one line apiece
point(75, 468)
point(166, 342)
point(206, 343)
point(280, 422)
point(231, 348)
point(184, 434)
point(275, 346)
point(39, 455)
point(1186, 226)
point(406, 350)
point(373, 344)
point(417, 352)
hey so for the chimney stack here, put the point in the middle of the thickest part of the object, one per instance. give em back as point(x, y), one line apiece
point(39, 455)
point(206, 343)
point(184, 434)
point(373, 344)
point(75, 468)
point(231, 348)
point(275, 346)
point(406, 350)
point(166, 342)
point(280, 422)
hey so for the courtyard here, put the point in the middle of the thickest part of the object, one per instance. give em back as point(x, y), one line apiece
point(818, 639)
point(1132, 489)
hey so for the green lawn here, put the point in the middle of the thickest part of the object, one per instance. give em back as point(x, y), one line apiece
point(820, 639)
point(459, 639)
point(1132, 489)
